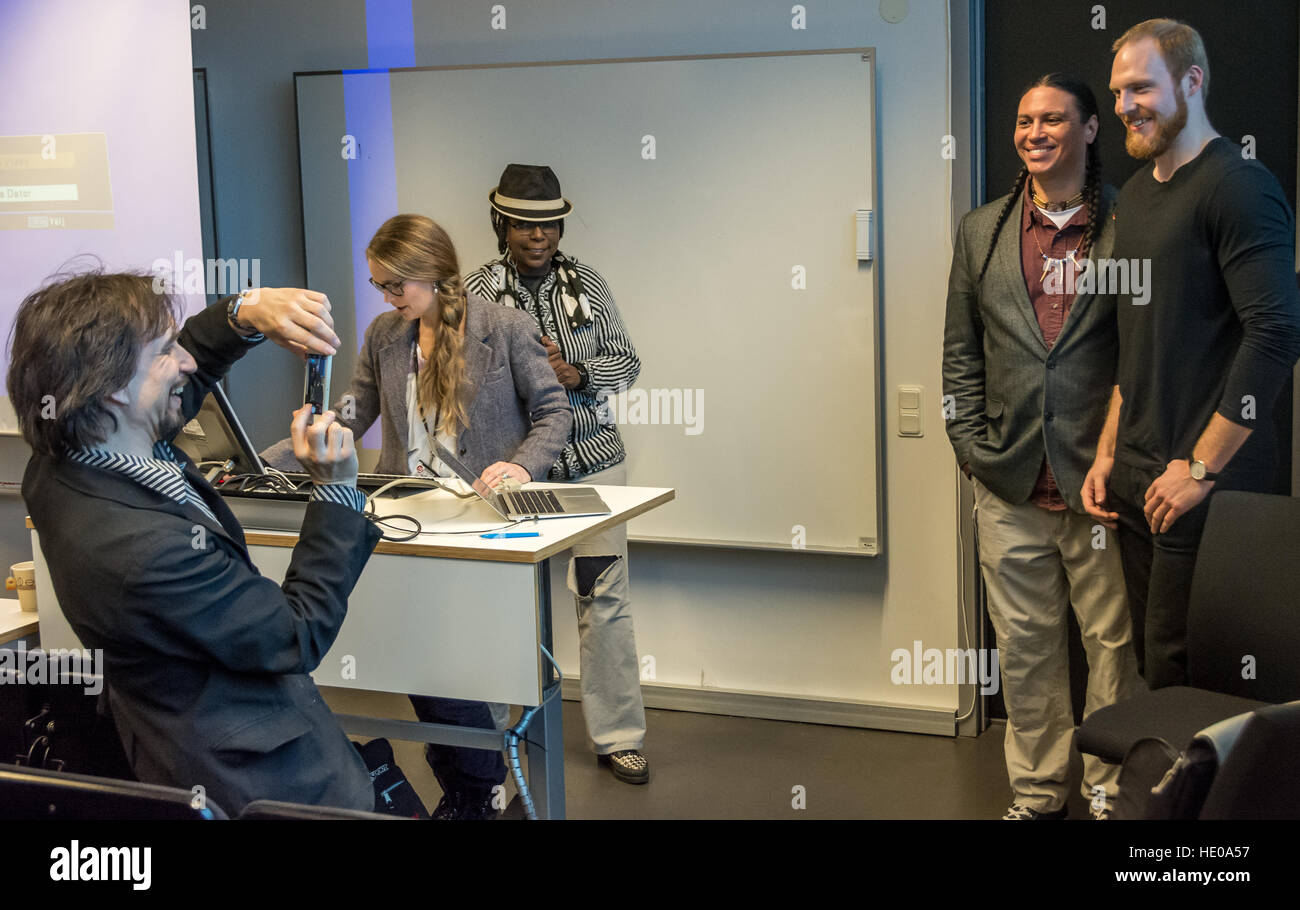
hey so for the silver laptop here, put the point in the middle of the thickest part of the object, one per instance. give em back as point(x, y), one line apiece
point(215, 435)
point(565, 502)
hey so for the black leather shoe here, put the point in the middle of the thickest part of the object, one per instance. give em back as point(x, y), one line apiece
point(462, 807)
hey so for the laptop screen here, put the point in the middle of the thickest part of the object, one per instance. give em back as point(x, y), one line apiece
point(215, 434)
point(463, 472)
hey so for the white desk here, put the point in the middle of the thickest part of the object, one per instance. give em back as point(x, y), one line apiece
point(15, 624)
point(455, 616)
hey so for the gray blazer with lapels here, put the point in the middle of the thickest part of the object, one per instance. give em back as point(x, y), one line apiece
point(517, 409)
point(1011, 398)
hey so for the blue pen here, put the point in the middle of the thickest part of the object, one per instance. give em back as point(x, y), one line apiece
point(501, 534)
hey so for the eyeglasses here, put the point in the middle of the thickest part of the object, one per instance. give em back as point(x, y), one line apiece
point(526, 227)
point(393, 287)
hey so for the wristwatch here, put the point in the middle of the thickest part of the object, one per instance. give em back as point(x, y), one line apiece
point(232, 313)
point(584, 378)
point(1198, 471)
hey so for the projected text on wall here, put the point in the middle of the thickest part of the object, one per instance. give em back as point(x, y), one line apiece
point(55, 181)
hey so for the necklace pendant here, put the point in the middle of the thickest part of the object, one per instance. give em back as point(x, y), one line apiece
point(1048, 265)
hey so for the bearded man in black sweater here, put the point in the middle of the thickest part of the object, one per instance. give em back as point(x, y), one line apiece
point(1206, 343)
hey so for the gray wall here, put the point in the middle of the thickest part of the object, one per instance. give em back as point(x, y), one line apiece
point(812, 627)
point(15, 539)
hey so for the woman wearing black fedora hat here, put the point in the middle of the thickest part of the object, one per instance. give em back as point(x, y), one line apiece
point(592, 357)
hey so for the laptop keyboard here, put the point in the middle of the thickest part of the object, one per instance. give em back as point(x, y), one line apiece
point(533, 502)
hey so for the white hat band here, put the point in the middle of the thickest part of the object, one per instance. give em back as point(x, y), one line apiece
point(529, 205)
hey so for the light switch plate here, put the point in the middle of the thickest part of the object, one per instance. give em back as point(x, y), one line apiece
point(910, 412)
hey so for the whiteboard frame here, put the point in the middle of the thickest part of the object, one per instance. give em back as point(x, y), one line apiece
point(868, 546)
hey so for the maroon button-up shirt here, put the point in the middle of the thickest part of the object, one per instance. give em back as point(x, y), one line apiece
point(1039, 235)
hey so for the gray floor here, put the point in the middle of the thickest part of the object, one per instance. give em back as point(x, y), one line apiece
point(713, 767)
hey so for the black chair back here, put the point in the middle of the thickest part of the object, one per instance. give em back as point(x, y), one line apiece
point(1260, 778)
point(28, 794)
point(1243, 622)
point(275, 809)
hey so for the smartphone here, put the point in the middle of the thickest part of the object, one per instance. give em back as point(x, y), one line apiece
point(316, 386)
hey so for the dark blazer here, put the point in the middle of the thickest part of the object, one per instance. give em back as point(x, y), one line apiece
point(517, 409)
point(1012, 398)
point(206, 661)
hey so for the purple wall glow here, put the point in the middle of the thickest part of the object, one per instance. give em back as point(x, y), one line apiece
point(122, 69)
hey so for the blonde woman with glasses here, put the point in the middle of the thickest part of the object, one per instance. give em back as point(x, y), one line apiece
point(447, 365)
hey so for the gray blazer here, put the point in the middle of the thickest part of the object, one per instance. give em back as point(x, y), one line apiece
point(1012, 398)
point(517, 409)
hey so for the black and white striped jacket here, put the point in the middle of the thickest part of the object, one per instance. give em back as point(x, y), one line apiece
point(602, 347)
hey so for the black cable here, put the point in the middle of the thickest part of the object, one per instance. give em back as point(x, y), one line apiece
point(246, 482)
point(384, 522)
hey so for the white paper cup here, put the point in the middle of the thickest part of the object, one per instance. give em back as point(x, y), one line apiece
point(22, 578)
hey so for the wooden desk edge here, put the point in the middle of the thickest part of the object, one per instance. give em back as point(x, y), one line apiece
point(285, 539)
point(18, 633)
point(435, 550)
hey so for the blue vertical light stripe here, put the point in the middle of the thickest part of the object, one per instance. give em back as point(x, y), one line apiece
point(372, 190)
point(390, 38)
point(372, 175)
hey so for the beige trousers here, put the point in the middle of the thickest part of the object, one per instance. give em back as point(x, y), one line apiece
point(1038, 564)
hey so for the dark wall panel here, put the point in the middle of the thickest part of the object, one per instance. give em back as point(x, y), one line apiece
point(1251, 47)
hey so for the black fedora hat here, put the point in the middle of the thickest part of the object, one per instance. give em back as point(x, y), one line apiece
point(529, 192)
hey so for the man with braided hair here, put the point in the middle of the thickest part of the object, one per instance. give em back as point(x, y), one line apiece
point(1028, 368)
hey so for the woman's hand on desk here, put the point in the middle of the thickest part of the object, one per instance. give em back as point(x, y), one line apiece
point(502, 471)
point(325, 448)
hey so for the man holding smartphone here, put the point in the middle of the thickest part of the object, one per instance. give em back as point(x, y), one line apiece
point(207, 661)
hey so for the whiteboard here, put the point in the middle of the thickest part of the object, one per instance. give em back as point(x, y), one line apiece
point(717, 197)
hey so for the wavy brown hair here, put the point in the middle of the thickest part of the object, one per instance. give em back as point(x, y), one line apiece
point(414, 247)
point(74, 342)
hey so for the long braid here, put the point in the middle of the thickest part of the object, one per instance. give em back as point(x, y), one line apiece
point(1092, 199)
point(440, 383)
point(1002, 218)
